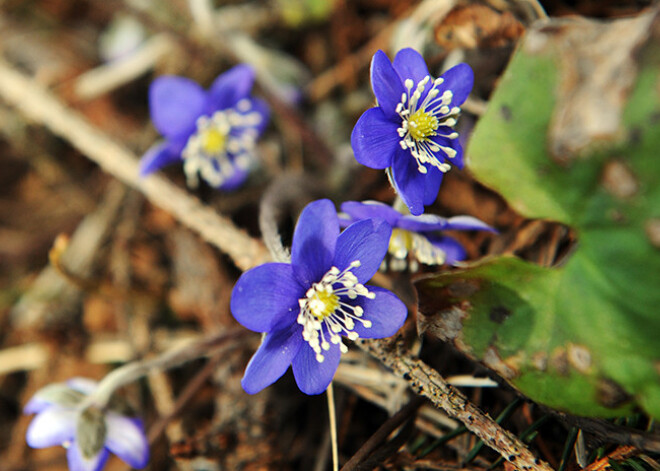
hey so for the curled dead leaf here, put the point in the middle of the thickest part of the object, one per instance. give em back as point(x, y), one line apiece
point(472, 26)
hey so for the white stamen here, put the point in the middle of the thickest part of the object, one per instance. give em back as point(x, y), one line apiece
point(435, 113)
point(325, 313)
point(407, 248)
point(235, 139)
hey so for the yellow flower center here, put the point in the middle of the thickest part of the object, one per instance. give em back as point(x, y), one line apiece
point(329, 310)
point(323, 304)
point(421, 125)
point(422, 119)
point(213, 141)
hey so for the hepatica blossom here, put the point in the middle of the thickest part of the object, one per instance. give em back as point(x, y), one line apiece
point(416, 237)
point(88, 433)
point(411, 130)
point(305, 307)
point(213, 132)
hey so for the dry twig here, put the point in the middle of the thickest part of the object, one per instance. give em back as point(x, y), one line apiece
point(426, 382)
point(39, 105)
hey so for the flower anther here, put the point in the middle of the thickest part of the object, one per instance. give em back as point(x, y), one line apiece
point(323, 311)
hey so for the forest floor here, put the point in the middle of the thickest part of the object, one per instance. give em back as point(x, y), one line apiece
point(148, 264)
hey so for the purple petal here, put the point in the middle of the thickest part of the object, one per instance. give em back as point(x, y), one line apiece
point(445, 131)
point(157, 157)
point(127, 440)
point(365, 241)
point(272, 359)
point(432, 222)
point(345, 220)
point(409, 64)
point(236, 180)
point(386, 84)
point(314, 241)
point(78, 463)
point(468, 223)
point(175, 104)
point(311, 376)
point(455, 144)
point(266, 297)
point(375, 139)
point(371, 209)
point(442, 154)
point(230, 87)
point(261, 107)
point(453, 249)
point(444, 141)
point(409, 182)
point(423, 223)
point(51, 427)
point(459, 79)
point(386, 312)
point(457, 161)
point(432, 184)
point(36, 405)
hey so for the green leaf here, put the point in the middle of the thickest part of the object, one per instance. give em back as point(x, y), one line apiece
point(583, 337)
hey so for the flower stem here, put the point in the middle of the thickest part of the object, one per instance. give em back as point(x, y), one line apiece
point(133, 371)
point(333, 427)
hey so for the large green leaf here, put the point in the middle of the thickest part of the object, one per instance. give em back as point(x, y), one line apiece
point(583, 337)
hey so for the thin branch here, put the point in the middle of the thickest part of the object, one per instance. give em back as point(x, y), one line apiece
point(112, 75)
point(427, 382)
point(32, 356)
point(38, 104)
point(128, 373)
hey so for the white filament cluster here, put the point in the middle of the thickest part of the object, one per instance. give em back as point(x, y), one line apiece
point(420, 122)
point(235, 133)
point(403, 243)
point(325, 313)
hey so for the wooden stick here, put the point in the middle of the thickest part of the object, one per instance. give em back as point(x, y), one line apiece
point(427, 382)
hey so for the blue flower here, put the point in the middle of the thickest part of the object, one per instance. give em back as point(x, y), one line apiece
point(418, 236)
point(88, 433)
point(214, 132)
point(306, 306)
point(411, 131)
